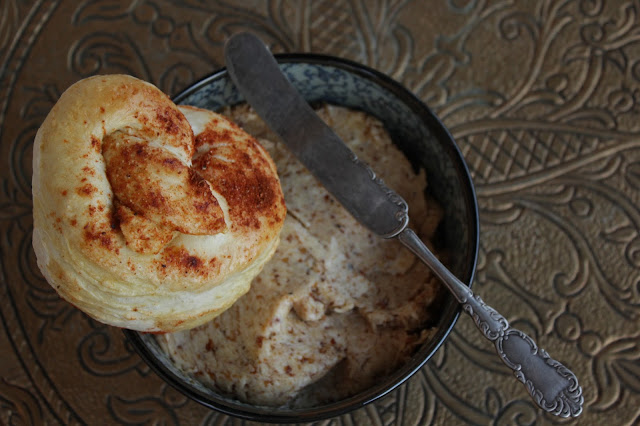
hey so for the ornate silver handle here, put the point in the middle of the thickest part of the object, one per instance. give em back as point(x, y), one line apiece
point(551, 385)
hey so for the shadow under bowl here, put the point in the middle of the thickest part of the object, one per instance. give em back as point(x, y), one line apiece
point(426, 143)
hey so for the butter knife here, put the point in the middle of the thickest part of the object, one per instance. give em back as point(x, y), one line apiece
point(257, 76)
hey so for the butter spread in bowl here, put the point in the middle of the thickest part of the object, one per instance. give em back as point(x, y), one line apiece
point(337, 307)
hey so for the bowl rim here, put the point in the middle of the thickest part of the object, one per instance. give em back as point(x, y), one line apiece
point(400, 376)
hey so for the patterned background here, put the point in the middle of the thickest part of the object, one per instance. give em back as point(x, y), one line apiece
point(543, 98)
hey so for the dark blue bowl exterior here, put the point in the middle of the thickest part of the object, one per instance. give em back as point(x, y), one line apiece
point(424, 140)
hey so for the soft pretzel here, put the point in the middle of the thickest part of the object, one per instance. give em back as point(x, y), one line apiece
point(149, 216)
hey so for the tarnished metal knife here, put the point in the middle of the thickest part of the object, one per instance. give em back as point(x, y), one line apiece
point(257, 76)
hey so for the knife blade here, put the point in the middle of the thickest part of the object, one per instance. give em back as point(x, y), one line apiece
point(257, 76)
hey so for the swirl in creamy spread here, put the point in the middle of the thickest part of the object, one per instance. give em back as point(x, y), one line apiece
point(337, 307)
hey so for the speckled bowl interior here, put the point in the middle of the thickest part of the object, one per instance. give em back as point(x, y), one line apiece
point(424, 140)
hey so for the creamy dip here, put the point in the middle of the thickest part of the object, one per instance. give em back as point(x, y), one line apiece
point(337, 307)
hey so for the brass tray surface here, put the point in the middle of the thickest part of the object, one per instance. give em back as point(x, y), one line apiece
point(543, 99)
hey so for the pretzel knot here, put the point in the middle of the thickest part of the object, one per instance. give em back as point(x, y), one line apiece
point(147, 215)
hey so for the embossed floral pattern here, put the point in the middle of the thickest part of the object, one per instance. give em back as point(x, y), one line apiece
point(543, 98)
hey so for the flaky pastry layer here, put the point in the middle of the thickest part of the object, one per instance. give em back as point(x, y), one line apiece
point(147, 215)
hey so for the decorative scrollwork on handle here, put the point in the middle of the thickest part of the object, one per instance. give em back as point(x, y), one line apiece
point(402, 214)
point(551, 385)
point(487, 319)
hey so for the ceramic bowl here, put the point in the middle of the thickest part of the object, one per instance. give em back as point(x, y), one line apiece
point(424, 140)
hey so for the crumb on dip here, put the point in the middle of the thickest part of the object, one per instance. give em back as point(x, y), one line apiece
point(337, 307)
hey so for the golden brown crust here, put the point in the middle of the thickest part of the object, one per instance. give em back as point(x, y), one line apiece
point(156, 228)
point(246, 178)
point(143, 178)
